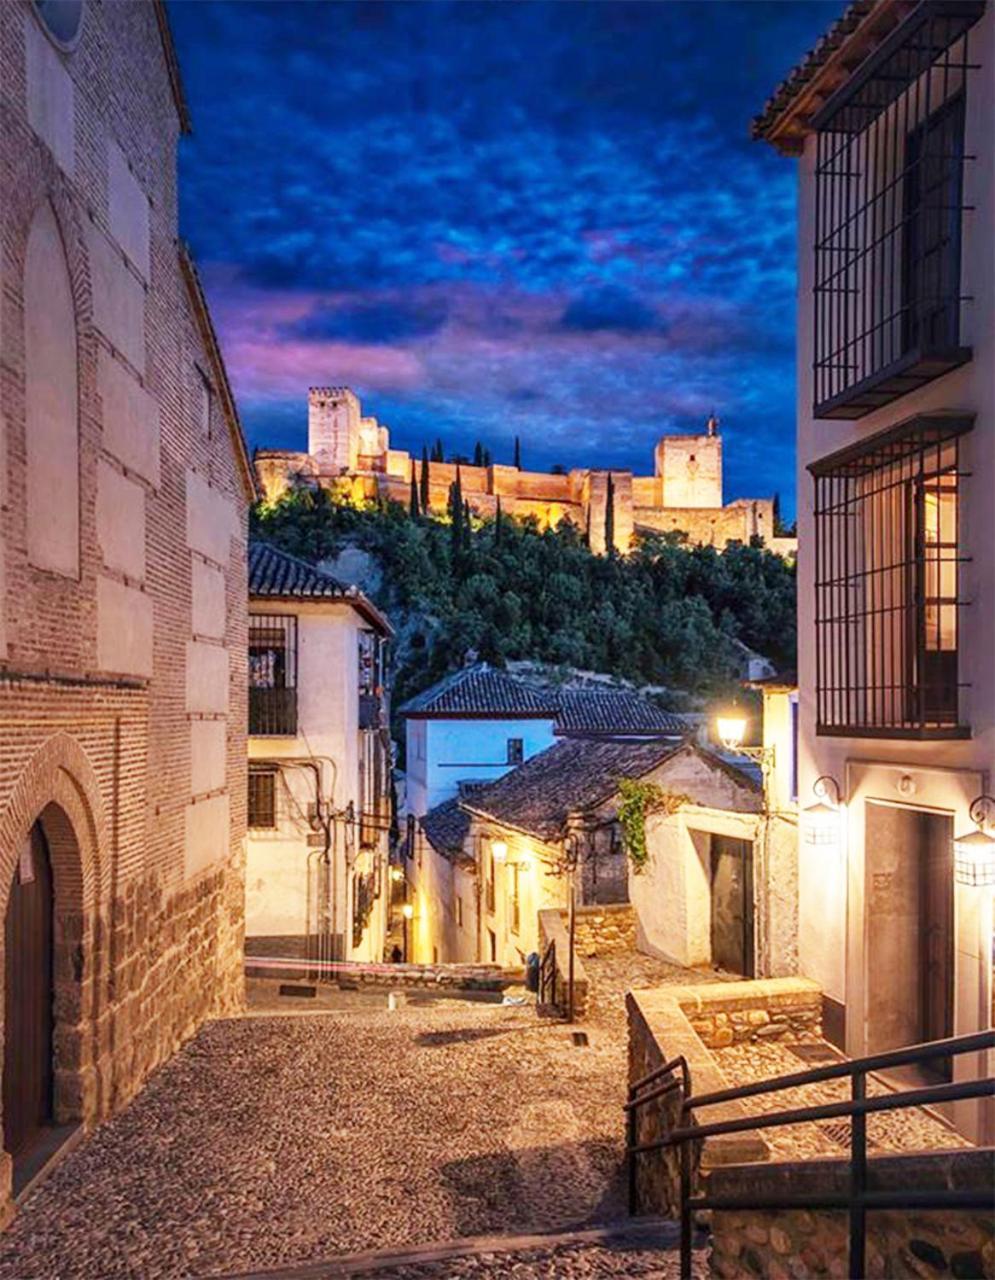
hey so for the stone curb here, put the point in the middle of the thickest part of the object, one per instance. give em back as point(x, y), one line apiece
point(372, 1261)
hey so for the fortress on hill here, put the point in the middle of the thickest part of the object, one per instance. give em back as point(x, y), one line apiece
point(351, 454)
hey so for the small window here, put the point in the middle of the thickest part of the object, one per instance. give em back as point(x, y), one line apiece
point(62, 20)
point(516, 750)
point(262, 799)
point(514, 902)
point(459, 913)
point(205, 396)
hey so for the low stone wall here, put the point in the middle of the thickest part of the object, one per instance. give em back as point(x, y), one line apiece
point(467, 977)
point(725, 1013)
point(553, 928)
point(604, 930)
point(802, 1242)
point(658, 1032)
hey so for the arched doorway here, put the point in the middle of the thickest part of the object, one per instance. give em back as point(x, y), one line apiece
point(28, 1002)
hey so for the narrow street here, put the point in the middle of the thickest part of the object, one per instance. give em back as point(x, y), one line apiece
point(278, 1140)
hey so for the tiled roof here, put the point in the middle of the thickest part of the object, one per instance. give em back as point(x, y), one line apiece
point(540, 794)
point(613, 711)
point(826, 63)
point(481, 690)
point(277, 575)
point(446, 827)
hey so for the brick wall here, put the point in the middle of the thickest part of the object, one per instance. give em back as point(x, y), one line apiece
point(108, 675)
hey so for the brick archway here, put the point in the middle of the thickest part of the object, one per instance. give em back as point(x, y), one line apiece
point(59, 790)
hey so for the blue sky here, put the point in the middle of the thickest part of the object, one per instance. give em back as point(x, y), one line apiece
point(533, 219)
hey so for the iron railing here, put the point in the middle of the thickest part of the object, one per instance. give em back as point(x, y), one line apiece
point(858, 1199)
point(273, 712)
point(547, 976)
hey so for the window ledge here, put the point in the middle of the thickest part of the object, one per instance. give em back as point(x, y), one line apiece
point(908, 373)
point(929, 733)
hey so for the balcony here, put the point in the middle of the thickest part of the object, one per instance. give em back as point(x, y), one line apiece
point(273, 713)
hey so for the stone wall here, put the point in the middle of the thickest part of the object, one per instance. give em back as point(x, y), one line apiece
point(788, 1243)
point(760, 1009)
point(658, 1033)
point(605, 930)
point(553, 928)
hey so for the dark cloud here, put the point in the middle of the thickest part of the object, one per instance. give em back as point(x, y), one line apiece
point(464, 188)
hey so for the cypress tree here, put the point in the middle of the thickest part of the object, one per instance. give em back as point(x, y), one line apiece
point(425, 494)
point(467, 525)
point(610, 516)
point(438, 454)
point(413, 508)
point(497, 521)
point(478, 454)
point(518, 454)
point(487, 457)
point(456, 512)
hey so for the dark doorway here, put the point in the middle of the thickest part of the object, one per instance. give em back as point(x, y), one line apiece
point(28, 1018)
point(909, 929)
point(731, 875)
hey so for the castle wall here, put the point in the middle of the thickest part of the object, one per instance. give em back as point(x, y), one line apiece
point(333, 428)
point(690, 468)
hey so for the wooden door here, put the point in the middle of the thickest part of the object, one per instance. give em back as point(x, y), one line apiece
point(732, 904)
point(27, 1059)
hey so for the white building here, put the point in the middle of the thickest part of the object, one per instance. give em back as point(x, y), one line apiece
point(891, 120)
point(478, 723)
point(319, 765)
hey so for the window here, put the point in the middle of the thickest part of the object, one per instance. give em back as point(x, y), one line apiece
point(262, 797)
point(887, 582)
point(516, 751)
point(371, 663)
point(888, 210)
point(62, 20)
point(458, 905)
point(374, 813)
point(489, 895)
point(272, 674)
point(514, 902)
point(205, 396)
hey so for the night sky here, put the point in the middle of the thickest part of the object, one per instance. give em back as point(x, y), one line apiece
point(533, 219)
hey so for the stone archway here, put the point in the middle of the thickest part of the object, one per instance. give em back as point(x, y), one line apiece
point(58, 793)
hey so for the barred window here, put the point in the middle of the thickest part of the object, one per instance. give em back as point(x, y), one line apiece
point(889, 208)
point(262, 797)
point(887, 582)
point(272, 674)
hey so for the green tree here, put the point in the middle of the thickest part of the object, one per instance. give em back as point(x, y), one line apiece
point(610, 516)
point(426, 496)
point(518, 454)
point(413, 508)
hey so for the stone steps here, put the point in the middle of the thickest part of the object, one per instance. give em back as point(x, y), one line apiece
point(636, 1232)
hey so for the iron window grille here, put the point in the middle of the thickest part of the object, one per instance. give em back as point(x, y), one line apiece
point(373, 808)
point(889, 207)
point(262, 798)
point(887, 583)
point(272, 675)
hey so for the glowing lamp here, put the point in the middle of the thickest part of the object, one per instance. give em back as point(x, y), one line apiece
point(822, 819)
point(396, 874)
point(407, 911)
point(499, 851)
point(974, 851)
point(731, 730)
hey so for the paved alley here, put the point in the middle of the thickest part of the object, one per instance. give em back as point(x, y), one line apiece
point(271, 1141)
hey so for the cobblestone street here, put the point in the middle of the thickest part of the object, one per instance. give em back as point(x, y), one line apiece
point(270, 1141)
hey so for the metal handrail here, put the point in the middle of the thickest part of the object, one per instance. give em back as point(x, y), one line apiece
point(858, 1199)
point(547, 975)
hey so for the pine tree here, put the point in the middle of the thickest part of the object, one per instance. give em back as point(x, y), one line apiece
point(413, 507)
point(426, 496)
point(456, 513)
point(518, 454)
point(497, 521)
point(467, 526)
point(610, 516)
point(478, 454)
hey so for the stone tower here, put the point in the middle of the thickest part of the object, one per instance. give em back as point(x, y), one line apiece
point(333, 418)
point(689, 468)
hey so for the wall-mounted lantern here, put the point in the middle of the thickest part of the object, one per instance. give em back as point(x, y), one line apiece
point(407, 911)
point(974, 851)
point(499, 851)
point(730, 729)
point(822, 819)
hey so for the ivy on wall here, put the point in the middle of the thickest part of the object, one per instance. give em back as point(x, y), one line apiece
point(637, 799)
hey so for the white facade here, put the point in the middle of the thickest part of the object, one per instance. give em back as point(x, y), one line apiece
point(863, 929)
point(443, 752)
point(292, 887)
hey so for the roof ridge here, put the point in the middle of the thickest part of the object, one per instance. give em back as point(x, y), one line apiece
point(265, 545)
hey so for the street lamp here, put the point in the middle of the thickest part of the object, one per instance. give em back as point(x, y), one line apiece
point(974, 851)
point(822, 819)
point(499, 850)
point(730, 729)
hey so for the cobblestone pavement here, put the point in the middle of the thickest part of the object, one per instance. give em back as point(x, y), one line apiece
point(275, 1140)
point(911, 1130)
point(610, 976)
point(561, 1262)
